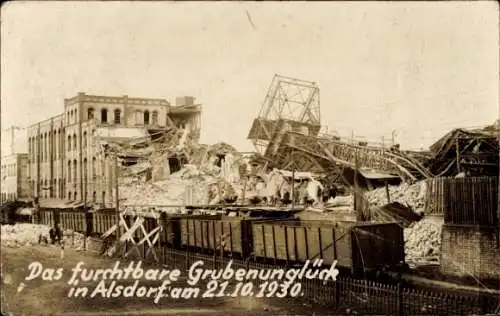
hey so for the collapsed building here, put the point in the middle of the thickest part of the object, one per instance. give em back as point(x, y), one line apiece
point(379, 182)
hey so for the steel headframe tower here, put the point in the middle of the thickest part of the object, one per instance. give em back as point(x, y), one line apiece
point(293, 100)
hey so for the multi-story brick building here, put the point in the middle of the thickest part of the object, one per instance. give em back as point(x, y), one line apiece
point(14, 173)
point(65, 162)
point(14, 165)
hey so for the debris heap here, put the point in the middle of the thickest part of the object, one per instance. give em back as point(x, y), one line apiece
point(137, 192)
point(24, 234)
point(216, 165)
point(423, 242)
point(412, 195)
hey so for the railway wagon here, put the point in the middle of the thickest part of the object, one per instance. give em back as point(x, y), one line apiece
point(358, 247)
point(170, 234)
point(222, 232)
point(231, 234)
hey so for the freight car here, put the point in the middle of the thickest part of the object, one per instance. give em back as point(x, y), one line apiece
point(358, 247)
point(231, 235)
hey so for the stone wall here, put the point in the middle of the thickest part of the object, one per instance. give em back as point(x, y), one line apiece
point(470, 251)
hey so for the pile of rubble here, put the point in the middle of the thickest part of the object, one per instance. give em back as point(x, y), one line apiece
point(412, 195)
point(187, 186)
point(24, 234)
point(423, 242)
point(137, 192)
point(213, 165)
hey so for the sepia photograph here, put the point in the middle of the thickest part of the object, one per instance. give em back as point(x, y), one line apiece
point(250, 158)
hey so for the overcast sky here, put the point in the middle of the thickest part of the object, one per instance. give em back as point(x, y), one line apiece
point(420, 68)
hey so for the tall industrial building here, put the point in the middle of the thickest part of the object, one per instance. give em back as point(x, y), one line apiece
point(67, 162)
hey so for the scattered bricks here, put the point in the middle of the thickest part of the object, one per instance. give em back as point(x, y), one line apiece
point(470, 251)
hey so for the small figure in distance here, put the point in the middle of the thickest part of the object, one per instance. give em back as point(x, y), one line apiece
point(55, 234)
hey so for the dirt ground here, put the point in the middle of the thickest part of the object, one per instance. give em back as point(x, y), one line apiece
point(37, 297)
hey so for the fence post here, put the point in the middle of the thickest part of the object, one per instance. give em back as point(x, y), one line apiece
point(337, 293)
point(400, 307)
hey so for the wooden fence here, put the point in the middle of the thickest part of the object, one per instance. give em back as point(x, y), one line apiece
point(463, 201)
point(363, 297)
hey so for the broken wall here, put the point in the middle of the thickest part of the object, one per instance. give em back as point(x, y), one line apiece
point(160, 166)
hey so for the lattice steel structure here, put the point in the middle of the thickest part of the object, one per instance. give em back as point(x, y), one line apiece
point(290, 105)
point(286, 134)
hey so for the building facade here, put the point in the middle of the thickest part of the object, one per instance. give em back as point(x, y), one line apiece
point(14, 173)
point(14, 181)
point(65, 160)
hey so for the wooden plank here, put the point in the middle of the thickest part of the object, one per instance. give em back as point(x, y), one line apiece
point(281, 242)
point(320, 243)
point(285, 232)
point(306, 242)
point(213, 243)
point(263, 234)
point(273, 234)
point(290, 240)
point(233, 239)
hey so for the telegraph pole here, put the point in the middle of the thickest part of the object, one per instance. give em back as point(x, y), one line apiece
point(37, 184)
point(117, 200)
point(293, 182)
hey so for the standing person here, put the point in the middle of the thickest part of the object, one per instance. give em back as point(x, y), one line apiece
point(55, 234)
point(286, 193)
point(302, 196)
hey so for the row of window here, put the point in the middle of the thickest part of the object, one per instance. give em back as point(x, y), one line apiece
point(73, 169)
point(52, 139)
point(72, 145)
point(73, 196)
point(71, 117)
point(52, 188)
point(117, 116)
point(8, 197)
point(58, 186)
point(9, 170)
point(45, 152)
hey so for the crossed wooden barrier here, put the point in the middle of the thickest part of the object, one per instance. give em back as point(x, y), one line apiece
point(128, 236)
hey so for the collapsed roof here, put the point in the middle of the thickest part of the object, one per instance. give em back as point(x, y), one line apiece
point(477, 153)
